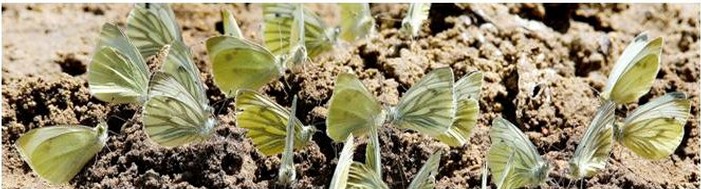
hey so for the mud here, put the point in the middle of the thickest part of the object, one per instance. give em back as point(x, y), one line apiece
point(542, 64)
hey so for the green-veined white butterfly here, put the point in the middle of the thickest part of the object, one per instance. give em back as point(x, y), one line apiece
point(58, 153)
point(655, 129)
point(178, 110)
point(415, 16)
point(151, 26)
point(117, 72)
point(595, 146)
point(635, 71)
point(351, 174)
point(238, 63)
point(287, 172)
point(527, 168)
point(428, 107)
point(266, 122)
point(231, 27)
point(278, 18)
point(466, 95)
point(356, 21)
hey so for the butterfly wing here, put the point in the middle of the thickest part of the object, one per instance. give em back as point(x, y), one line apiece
point(466, 96)
point(655, 130)
point(240, 64)
point(427, 106)
point(635, 71)
point(425, 178)
point(172, 116)
point(151, 26)
point(595, 147)
point(58, 153)
point(356, 21)
point(372, 153)
point(416, 14)
point(179, 64)
point(352, 109)
point(266, 121)
point(287, 172)
point(340, 174)
point(278, 18)
point(507, 139)
point(117, 73)
point(231, 27)
point(361, 176)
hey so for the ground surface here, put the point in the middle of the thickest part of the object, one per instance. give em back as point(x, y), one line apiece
point(542, 64)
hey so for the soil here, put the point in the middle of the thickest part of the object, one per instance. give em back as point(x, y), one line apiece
point(543, 65)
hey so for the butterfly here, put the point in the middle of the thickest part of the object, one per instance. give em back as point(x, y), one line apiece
point(595, 147)
point(178, 111)
point(356, 21)
point(655, 129)
point(278, 27)
point(58, 153)
point(151, 26)
point(238, 63)
point(635, 71)
point(231, 27)
point(117, 72)
point(415, 16)
point(351, 174)
point(466, 95)
point(513, 153)
point(266, 123)
point(287, 173)
point(428, 107)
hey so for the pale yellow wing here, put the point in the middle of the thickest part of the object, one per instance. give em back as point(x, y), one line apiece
point(594, 148)
point(635, 71)
point(654, 130)
point(529, 168)
point(58, 153)
point(427, 106)
point(352, 109)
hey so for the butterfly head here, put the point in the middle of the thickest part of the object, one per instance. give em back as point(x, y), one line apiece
point(286, 175)
point(102, 129)
point(208, 128)
point(308, 132)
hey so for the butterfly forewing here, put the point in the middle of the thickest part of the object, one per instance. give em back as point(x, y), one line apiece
point(427, 106)
point(172, 116)
point(152, 26)
point(594, 148)
point(352, 109)
point(179, 64)
point(231, 27)
point(266, 122)
point(240, 64)
point(117, 73)
point(356, 21)
point(507, 139)
point(635, 71)
point(340, 174)
point(425, 178)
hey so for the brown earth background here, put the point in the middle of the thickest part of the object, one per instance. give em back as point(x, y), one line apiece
point(542, 65)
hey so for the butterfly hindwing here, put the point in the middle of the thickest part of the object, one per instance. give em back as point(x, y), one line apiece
point(287, 172)
point(466, 94)
point(117, 73)
point(58, 153)
point(654, 130)
point(595, 146)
